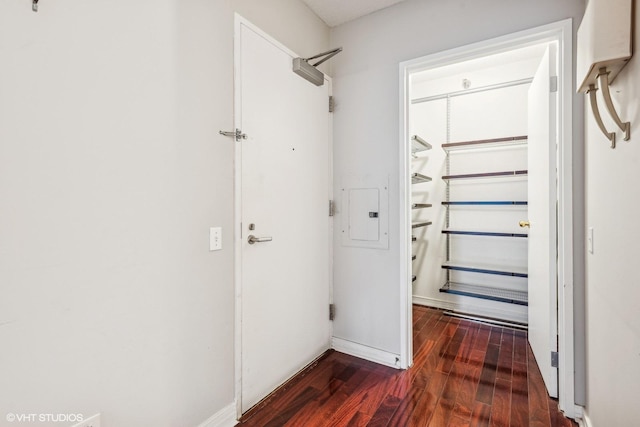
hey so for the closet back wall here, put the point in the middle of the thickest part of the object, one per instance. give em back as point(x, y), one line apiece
point(486, 114)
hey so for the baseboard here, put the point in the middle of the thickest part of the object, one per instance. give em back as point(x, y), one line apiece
point(226, 417)
point(584, 421)
point(478, 311)
point(365, 352)
point(432, 302)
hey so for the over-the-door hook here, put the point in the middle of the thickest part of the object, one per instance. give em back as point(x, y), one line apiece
point(34, 5)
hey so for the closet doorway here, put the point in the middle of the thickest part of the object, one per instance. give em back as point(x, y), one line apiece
point(486, 168)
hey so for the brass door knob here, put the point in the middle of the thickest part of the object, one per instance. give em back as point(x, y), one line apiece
point(524, 224)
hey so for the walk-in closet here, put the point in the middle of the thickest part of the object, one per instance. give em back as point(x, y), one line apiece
point(469, 123)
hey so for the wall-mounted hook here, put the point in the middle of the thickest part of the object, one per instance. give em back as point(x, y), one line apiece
point(604, 48)
point(34, 5)
point(611, 136)
point(603, 80)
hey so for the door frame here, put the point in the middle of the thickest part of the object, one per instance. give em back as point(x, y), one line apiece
point(240, 21)
point(560, 32)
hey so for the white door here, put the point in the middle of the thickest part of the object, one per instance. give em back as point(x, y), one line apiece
point(285, 190)
point(543, 324)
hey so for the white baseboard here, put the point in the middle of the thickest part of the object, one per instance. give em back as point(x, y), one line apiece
point(497, 313)
point(226, 417)
point(432, 302)
point(365, 352)
point(584, 421)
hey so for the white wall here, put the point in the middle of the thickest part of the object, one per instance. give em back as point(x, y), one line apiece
point(111, 173)
point(366, 129)
point(613, 278)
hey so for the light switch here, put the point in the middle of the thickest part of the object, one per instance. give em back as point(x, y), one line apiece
point(215, 238)
point(590, 240)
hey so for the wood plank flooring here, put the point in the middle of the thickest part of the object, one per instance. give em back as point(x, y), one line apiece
point(464, 374)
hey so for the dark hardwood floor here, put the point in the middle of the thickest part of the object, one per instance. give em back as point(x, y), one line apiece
point(464, 374)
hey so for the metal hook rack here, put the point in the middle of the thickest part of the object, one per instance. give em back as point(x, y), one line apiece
point(604, 49)
point(603, 82)
point(611, 136)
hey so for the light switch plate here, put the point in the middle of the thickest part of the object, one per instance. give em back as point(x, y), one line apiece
point(215, 238)
point(590, 240)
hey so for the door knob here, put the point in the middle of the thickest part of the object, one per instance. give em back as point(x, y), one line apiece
point(524, 224)
point(253, 239)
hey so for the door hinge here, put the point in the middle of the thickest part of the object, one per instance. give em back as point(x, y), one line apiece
point(554, 359)
point(332, 208)
point(332, 311)
point(332, 104)
point(553, 84)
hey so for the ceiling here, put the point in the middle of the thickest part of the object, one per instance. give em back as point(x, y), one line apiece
point(336, 12)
